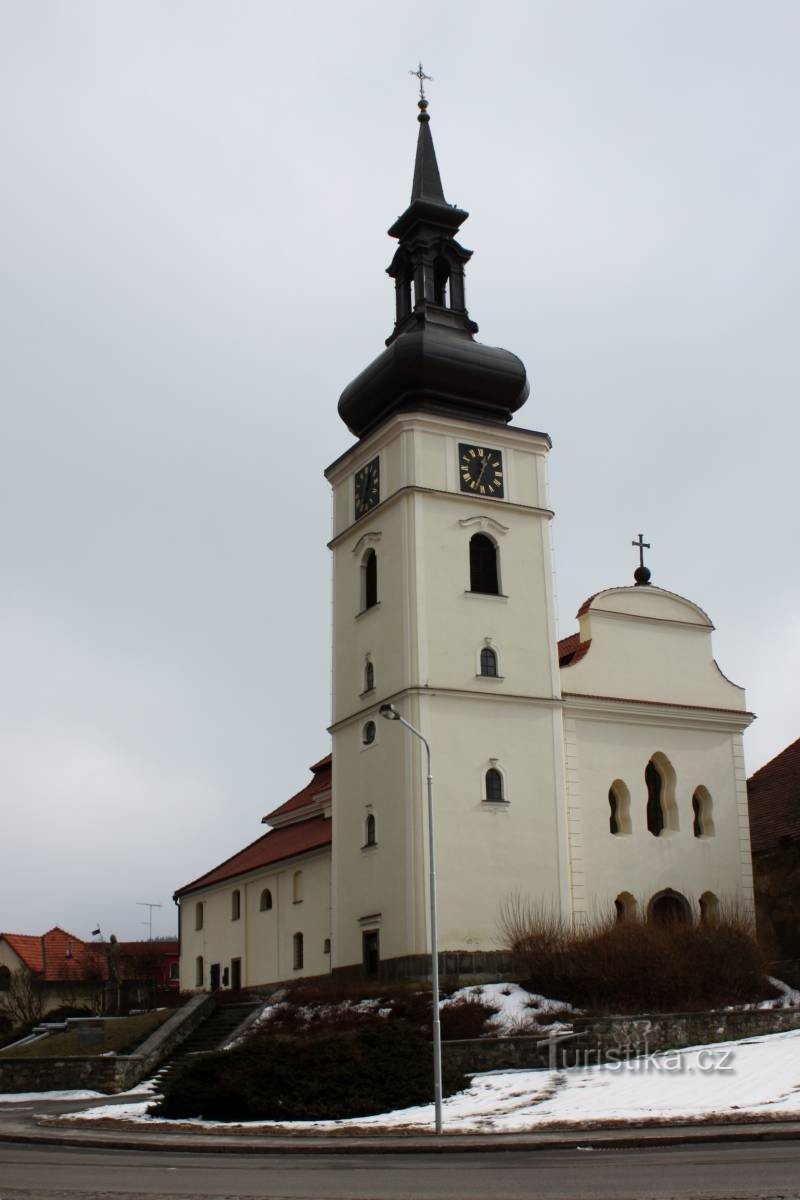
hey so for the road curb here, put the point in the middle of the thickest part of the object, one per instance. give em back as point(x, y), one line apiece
point(259, 1143)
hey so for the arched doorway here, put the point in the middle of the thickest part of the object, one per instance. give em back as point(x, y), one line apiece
point(669, 908)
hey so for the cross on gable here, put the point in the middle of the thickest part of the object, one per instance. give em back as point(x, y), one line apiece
point(641, 545)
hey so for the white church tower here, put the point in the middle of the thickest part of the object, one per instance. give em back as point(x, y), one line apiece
point(599, 776)
point(442, 606)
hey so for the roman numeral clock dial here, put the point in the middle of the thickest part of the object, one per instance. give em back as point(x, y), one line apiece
point(481, 470)
point(367, 487)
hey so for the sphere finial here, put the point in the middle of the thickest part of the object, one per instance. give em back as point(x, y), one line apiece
point(642, 573)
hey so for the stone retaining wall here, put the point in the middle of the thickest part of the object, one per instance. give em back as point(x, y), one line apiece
point(105, 1073)
point(596, 1039)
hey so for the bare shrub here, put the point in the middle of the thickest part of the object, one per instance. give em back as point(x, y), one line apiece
point(466, 1017)
point(22, 1003)
point(636, 964)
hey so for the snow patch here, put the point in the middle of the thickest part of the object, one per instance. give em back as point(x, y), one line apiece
point(516, 1011)
point(76, 1094)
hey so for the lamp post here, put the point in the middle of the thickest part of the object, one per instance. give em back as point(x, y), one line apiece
point(391, 714)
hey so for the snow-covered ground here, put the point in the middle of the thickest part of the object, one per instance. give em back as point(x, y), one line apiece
point(789, 997)
point(516, 1011)
point(21, 1097)
point(754, 1078)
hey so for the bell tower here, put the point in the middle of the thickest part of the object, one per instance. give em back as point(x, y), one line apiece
point(443, 607)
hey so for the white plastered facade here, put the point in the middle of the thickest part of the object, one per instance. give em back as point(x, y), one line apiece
point(644, 685)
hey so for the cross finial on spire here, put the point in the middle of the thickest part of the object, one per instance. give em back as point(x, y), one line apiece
point(642, 573)
point(421, 76)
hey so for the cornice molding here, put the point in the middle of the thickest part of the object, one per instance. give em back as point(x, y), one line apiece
point(438, 494)
point(463, 693)
point(656, 712)
point(618, 614)
point(504, 436)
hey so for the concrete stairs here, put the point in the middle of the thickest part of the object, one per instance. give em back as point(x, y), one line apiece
point(212, 1034)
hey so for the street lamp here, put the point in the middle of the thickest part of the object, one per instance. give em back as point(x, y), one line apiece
point(391, 714)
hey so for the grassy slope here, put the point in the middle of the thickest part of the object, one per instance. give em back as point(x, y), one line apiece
point(122, 1036)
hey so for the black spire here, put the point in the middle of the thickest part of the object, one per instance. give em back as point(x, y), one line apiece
point(427, 183)
point(433, 362)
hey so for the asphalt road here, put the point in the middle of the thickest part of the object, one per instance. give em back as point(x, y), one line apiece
point(729, 1171)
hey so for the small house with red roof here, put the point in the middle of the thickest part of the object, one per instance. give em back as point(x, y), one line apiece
point(67, 971)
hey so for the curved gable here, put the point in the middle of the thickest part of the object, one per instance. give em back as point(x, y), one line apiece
point(647, 643)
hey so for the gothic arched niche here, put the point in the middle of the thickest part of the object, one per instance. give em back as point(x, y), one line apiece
point(669, 907)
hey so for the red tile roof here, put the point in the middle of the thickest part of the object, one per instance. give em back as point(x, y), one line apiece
point(773, 793)
point(270, 848)
point(571, 649)
point(57, 956)
point(587, 604)
point(321, 782)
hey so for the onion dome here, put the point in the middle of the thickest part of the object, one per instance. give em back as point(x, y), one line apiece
point(432, 362)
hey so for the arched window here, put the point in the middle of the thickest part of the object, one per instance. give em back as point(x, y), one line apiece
point(265, 902)
point(198, 915)
point(236, 905)
point(441, 279)
point(199, 971)
point(297, 951)
point(297, 887)
point(662, 811)
point(625, 907)
point(5, 979)
point(369, 676)
point(369, 831)
point(494, 784)
point(488, 662)
point(402, 269)
point(368, 733)
point(326, 946)
point(369, 580)
point(619, 803)
point(709, 909)
point(703, 824)
point(483, 574)
point(655, 788)
point(613, 821)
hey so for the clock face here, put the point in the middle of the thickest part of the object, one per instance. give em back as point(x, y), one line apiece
point(481, 470)
point(367, 487)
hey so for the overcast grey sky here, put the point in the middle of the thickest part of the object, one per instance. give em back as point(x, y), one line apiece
point(192, 228)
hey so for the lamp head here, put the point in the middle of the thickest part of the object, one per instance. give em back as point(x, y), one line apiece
point(390, 712)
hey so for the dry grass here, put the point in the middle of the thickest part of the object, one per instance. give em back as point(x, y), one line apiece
point(121, 1036)
point(635, 965)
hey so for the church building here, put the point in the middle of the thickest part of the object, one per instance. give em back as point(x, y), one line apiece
point(602, 774)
